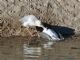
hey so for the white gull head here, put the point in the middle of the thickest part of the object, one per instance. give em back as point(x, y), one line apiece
point(30, 20)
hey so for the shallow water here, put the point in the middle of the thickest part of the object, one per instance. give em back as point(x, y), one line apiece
point(17, 48)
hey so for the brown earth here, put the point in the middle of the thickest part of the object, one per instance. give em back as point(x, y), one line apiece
point(54, 12)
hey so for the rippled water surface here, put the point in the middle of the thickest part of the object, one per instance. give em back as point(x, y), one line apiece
point(18, 48)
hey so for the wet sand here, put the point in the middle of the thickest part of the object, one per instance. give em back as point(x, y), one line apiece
point(17, 48)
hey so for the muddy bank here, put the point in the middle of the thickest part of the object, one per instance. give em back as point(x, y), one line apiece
point(55, 12)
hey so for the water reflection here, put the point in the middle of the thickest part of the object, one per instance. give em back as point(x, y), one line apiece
point(37, 53)
point(31, 53)
point(13, 48)
point(48, 45)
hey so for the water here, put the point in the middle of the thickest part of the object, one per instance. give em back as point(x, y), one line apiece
point(31, 53)
point(16, 48)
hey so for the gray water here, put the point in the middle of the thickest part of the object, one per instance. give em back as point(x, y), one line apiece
point(16, 48)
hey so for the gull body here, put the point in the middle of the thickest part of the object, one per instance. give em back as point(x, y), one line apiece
point(52, 34)
point(49, 34)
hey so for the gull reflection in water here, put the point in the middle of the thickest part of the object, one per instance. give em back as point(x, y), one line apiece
point(31, 53)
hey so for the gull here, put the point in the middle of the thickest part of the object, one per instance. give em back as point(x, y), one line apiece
point(30, 21)
point(49, 34)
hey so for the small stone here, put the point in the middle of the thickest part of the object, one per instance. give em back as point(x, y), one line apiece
point(78, 0)
point(59, 0)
